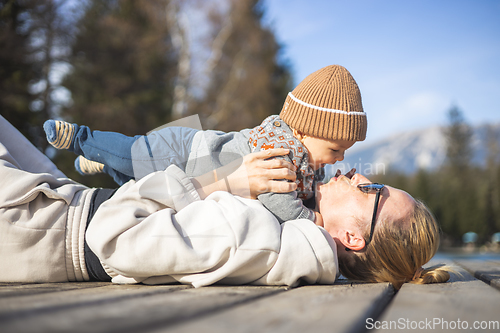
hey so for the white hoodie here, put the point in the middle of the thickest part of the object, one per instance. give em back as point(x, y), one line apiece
point(43, 215)
point(157, 230)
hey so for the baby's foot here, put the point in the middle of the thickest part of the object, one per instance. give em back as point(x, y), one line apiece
point(87, 167)
point(60, 134)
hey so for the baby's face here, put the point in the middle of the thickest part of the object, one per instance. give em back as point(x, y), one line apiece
point(322, 151)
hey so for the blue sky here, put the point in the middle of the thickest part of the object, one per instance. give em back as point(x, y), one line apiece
point(412, 60)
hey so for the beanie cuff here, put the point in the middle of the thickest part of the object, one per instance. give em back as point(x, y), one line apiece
point(353, 113)
point(325, 123)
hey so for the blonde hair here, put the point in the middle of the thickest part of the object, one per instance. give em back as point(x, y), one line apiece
point(398, 251)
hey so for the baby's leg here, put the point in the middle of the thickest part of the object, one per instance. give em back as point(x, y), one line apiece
point(109, 148)
point(88, 167)
point(134, 157)
point(162, 148)
point(117, 176)
point(129, 156)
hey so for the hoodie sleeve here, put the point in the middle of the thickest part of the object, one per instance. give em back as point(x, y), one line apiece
point(157, 230)
point(307, 253)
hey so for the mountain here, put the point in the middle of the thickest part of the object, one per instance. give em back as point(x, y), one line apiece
point(407, 152)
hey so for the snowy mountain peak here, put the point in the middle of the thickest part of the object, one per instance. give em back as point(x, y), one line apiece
point(409, 151)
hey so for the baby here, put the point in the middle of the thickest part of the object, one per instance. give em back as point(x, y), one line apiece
point(320, 119)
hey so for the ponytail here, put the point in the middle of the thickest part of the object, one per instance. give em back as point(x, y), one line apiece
point(434, 274)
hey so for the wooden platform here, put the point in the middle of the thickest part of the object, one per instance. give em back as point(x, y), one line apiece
point(470, 299)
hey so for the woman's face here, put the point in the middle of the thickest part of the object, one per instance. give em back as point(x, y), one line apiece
point(342, 204)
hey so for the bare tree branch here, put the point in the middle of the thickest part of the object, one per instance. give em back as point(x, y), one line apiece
point(218, 44)
point(179, 29)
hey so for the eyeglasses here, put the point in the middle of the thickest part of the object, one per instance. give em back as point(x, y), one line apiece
point(371, 188)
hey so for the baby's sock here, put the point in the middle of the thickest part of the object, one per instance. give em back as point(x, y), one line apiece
point(87, 167)
point(60, 134)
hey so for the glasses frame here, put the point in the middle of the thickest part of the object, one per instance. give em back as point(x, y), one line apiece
point(370, 188)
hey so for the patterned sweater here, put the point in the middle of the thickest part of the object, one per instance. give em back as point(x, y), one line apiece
point(275, 133)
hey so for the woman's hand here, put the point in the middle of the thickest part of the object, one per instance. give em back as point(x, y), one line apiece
point(250, 176)
point(258, 174)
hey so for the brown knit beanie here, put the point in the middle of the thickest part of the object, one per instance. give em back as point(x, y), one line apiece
point(327, 104)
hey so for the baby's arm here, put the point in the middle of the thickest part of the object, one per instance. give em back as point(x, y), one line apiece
point(286, 206)
point(250, 176)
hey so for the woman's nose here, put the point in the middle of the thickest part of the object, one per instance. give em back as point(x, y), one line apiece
point(359, 179)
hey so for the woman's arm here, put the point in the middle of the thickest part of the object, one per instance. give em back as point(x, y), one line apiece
point(250, 176)
point(164, 229)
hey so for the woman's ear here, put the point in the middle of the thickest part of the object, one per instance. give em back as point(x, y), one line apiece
point(352, 240)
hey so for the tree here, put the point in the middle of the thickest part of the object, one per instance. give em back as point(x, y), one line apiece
point(51, 31)
point(127, 66)
point(424, 188)
point(179, 30)
point(459, 197)
point(491, 199)
point(458, 136)
point(247, 79)
point(16, 72)
point(123, 67)
point(34, 40)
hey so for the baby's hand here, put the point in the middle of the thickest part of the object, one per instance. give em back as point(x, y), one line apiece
point(348, 175)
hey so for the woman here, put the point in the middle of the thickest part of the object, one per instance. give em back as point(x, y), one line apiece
point(160, 230)
point(388, 240)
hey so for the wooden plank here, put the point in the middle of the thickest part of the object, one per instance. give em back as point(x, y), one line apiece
point(12, 290)
point(27, 305)
point(486, 271)
point(338, 308)
point(121, 309)
point(9, 284)
point(457, 304)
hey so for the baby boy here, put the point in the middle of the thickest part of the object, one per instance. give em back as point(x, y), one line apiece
point(320, 119)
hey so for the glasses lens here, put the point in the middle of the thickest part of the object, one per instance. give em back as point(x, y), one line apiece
point(370, 187)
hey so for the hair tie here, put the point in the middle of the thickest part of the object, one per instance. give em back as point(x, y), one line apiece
point(417, 274)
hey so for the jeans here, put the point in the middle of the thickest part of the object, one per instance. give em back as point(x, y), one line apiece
point(126, 157)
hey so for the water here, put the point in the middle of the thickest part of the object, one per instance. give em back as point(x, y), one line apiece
point(477, 255)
